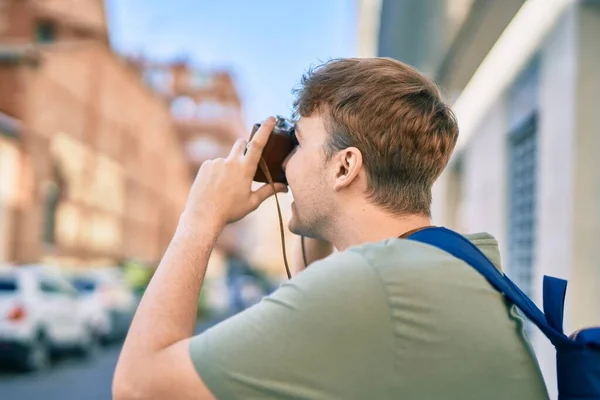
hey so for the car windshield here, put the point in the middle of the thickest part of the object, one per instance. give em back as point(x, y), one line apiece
point(84, 285)
point(8, 285)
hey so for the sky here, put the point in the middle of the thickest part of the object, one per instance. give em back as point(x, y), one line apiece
point(267, 44)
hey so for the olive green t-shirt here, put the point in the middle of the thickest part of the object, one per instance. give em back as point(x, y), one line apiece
point(396, 319)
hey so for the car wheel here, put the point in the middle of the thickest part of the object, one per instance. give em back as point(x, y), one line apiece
point(89, 345)
point(36, 356)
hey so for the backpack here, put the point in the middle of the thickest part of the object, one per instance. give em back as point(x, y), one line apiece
point(577, 356)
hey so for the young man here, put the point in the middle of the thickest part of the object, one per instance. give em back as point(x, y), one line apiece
point(384, 317)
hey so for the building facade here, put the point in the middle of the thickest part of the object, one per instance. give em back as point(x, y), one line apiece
point(524, 81)
point(205, 105)
point(207, 111)
point(9, 173)
point(103, 175)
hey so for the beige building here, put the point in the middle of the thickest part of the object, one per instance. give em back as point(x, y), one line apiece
point(524, 81)
point(103, 175)
point(207, 112)
point(10, 131)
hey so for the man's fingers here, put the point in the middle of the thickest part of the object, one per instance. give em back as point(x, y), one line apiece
point(266, 191)
point(238, 149)
point(259, 140)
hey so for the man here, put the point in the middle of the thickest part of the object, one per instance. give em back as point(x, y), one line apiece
point(384, 317)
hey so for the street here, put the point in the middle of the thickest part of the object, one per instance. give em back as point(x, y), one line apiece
point(68, 379)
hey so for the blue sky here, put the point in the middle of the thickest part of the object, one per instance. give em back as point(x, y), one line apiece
point(267, 44)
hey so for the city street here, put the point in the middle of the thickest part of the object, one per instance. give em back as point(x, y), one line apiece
point(68, 379)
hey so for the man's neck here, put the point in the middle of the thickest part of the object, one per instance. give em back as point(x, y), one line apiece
point(372, 225)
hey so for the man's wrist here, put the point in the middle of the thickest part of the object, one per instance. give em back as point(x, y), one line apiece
point(192, 224)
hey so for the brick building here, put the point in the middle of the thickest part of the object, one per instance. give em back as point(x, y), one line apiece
point(207, 111)
point(205, 106)
point(9, 165)
point(103, 175)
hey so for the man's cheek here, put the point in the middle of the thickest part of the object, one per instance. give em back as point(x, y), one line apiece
point(291, 184)
point(291, 180)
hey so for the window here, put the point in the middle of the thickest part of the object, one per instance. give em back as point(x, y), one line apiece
point(159, 79)
point(522, 203)
point(183, 107)
point(54, 192)
point(523, 106)
point(45, 32)
point(49, 287)
point(84, 285)
point(454, 195)
point(200, 79)
point(52, 200)
point(8, 285)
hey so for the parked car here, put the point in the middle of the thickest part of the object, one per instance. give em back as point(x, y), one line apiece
point(105, 291)
point(93, 306)
point(40, 315)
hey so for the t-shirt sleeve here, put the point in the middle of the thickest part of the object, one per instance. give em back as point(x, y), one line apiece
point(302, 341)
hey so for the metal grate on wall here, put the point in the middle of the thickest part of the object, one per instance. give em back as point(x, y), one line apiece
point(522, 203)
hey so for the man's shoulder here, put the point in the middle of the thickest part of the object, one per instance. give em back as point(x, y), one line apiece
point(398, 255)
point(406, 255)
point(379, 267)
point(373, 262)
point(334, 273)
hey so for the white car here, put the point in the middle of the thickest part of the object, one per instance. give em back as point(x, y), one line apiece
point(107, 299)
point(40, 313)
point(92, 296)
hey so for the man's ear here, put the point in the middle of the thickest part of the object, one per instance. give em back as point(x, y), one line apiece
point(347, 165)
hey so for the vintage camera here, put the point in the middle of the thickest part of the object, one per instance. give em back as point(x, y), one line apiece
point(281, 143)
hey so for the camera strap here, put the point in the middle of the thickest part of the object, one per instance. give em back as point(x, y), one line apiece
point(263, 166)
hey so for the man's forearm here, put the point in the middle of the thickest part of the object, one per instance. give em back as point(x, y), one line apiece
point(167, 311)
point(155, 361)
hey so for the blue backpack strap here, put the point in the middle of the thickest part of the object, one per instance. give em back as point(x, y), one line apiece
point(463, 249)
point(555, 290)
point(578, 357)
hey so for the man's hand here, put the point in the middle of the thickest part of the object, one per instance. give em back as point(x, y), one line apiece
point(222, 188)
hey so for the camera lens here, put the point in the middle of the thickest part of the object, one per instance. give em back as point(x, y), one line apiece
point(283, 126)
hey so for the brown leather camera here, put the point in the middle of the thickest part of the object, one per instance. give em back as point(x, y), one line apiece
point(281, 143)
